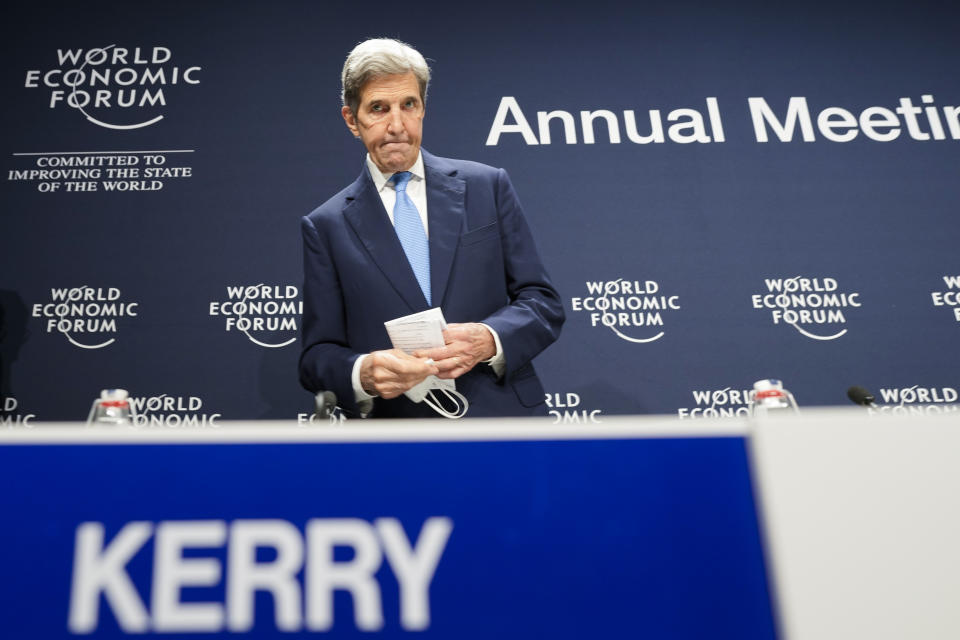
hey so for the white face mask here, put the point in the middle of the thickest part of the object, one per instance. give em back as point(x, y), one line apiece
point(426, 392)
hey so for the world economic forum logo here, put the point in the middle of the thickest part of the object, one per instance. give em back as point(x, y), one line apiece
point(918, 399)
point(88, 317)
point(113, 87)
point(815, 307)
point(267, 314)
point(632, 309)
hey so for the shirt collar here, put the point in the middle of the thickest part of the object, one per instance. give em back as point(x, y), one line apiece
point(380, 180)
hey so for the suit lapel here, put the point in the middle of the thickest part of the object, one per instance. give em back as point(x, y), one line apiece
point(445, 213)
point(365, 213)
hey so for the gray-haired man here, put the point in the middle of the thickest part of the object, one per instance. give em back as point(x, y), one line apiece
point(415, 231)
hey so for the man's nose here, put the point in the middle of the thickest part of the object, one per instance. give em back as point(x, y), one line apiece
point(395, 121)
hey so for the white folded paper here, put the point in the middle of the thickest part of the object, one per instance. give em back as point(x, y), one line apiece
point(423, 330)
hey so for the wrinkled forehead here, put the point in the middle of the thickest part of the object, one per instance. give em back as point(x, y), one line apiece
point(393, 87)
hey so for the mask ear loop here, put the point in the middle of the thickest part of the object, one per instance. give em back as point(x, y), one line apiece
point(455, 396)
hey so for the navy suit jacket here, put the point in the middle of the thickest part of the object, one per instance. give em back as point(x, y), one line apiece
point(484, 267)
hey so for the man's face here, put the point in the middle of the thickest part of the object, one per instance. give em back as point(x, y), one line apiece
point(389, 121)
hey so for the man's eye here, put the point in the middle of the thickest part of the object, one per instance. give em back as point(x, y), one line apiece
point(376, 107)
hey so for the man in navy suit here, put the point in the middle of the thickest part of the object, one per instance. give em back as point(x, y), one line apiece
point(477, 261)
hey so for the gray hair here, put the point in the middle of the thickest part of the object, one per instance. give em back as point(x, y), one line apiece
point(380, 57)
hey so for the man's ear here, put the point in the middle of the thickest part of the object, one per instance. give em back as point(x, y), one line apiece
point(351, 120)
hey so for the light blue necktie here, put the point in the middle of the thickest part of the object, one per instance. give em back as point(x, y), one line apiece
point(409, 227)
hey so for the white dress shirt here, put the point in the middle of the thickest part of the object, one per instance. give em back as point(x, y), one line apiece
point(416, 189)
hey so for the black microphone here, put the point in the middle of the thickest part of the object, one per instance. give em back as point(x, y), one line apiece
point(326, 402)
point(859, 395)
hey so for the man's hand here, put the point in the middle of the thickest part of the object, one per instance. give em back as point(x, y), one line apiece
point(466, 345)
point(388, 374)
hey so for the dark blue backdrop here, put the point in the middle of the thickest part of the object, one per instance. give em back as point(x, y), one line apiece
point(709, 223)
